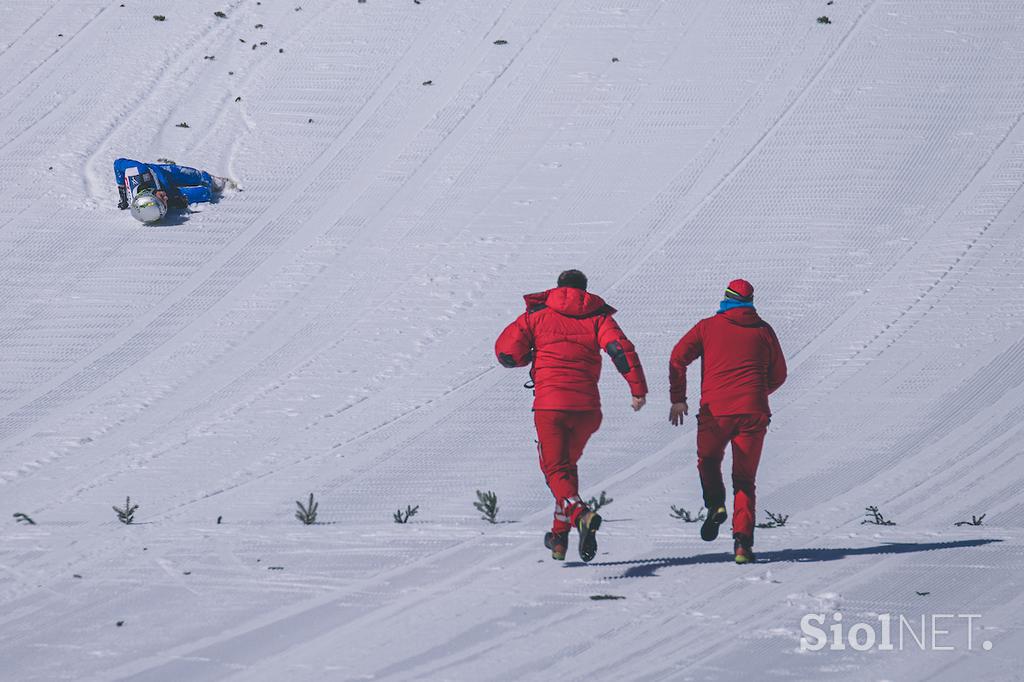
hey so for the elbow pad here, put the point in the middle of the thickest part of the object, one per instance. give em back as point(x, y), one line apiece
point(618, 356)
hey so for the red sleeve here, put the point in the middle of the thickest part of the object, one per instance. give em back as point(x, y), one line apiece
point(514, 347)
point(622, 352)
point(776, 363)
point(689, 348)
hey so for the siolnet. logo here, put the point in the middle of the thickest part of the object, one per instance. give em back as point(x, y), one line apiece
point(892, 632)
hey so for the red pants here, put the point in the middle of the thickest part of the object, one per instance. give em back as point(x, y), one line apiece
point(746, 431)
point(561, 437)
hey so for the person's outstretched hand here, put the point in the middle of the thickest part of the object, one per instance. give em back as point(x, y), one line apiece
point(638, 402)
point(675, 415)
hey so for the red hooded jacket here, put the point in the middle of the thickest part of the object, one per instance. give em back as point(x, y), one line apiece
point(741, 363)
point(562, 333)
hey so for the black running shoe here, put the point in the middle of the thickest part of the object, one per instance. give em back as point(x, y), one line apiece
point(587, 525)
point(743, 548)
point(716, 517)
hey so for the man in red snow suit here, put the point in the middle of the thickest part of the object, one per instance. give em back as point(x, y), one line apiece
point(741, 365)
point(562, 334)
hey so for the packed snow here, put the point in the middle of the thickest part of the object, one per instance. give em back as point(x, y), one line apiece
point(409, 170)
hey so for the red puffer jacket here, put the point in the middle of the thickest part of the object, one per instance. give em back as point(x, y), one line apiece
point(741, 363)
point(562, 333)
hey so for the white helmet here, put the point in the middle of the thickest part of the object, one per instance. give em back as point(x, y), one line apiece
point(147, 207)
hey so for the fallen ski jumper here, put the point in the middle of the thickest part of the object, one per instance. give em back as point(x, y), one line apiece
point(151, 189)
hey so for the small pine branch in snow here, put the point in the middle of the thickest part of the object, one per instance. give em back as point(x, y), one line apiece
point(24, 518)
point(975, 521)
point(126, 515)
point(685, 515)
point(487, 505)
point(824, 20)
point(774, 520)
point(875, 517)
point(404, 516)
point(307, 513)
point(595, 503)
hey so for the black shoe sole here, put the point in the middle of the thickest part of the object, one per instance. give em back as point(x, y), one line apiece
point(588, 539)
point(709, 530)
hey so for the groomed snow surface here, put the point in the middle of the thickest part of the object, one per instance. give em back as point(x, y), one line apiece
point(329, 330)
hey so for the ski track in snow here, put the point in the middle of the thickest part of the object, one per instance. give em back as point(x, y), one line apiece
point(330, 330)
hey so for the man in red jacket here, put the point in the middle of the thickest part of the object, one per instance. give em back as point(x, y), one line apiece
point(562, 334)
point(741, 365)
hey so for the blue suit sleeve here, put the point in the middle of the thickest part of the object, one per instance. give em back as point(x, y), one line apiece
point(123, 164)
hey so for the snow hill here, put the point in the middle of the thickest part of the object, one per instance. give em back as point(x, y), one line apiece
point(407, 177)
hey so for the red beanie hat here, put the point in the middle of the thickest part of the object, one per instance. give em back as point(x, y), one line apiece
point(740, 290)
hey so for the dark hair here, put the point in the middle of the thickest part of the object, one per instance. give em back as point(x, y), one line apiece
point(574, 279)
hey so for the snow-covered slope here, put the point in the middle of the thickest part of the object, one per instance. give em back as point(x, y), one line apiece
point(329, 330)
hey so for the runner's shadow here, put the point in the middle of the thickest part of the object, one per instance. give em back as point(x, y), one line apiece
point(645, 568)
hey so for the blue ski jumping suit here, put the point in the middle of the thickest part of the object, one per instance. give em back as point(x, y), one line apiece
point(183, 185)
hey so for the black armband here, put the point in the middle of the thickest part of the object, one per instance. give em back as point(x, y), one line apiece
point(618, 356)
point(507, 360)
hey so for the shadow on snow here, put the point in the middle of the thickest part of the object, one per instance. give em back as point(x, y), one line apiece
point(645, 568)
